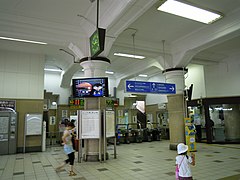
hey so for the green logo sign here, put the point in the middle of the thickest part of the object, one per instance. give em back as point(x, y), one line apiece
point(94, 43)
point(97, 41)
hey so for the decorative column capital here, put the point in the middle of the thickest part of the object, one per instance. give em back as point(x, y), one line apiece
point(176, 76)
point(98, 58)
point(185, 70)
point(94, 67)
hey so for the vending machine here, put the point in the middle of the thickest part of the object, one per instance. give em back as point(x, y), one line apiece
point(8, 132)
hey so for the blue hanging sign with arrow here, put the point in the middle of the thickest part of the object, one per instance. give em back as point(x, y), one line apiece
point(150, 87)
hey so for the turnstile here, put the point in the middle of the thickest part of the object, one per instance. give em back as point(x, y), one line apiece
point(8, 132)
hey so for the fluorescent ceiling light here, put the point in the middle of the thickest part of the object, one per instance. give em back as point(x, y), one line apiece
point(129, 55)
point(109, 72)
point(22, 40)
point(53, 70)
point(143, 75)
point(189, 11)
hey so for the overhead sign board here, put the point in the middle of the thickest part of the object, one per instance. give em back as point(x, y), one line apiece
point(150, 87)
point(97, 41)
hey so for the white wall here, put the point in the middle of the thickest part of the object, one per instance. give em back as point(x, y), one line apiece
point(111, 84)
point(52, 82)
point(223, 79)
point(196, 77)
point(21, 75)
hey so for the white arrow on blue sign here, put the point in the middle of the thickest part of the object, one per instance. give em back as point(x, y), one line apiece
point(150, 87)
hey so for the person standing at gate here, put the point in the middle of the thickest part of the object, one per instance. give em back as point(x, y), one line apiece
point(68, 149)
point(197, 123)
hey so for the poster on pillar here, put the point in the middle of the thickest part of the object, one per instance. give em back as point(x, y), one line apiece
point(190, 132)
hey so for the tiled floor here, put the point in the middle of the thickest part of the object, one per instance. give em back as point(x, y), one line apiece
point(143, 161)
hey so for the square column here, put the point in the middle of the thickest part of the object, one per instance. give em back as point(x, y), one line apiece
point(176, 106)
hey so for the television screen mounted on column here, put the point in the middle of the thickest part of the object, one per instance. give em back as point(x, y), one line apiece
point(90, 87)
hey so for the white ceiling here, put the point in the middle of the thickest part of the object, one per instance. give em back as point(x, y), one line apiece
point(166, 40)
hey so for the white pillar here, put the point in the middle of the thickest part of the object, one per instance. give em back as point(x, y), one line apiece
point(231, 121)
point(176, 76)
point(44, 136)
point(176, 106)
point(95, 67)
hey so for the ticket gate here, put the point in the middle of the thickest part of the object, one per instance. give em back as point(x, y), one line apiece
point(147, 135)
point(136, 135)
point(122, 134)
point(156, 132)
point(8, 132)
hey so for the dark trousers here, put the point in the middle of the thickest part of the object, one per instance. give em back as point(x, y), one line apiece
point(70, 159)
point(199, 133)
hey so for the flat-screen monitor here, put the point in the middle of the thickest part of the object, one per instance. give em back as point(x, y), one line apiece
point(90, 87)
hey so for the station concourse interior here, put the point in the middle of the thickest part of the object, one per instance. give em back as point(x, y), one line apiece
point(59, 62)
point(150, 160)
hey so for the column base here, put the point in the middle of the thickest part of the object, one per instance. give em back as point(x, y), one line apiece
point(94, 158)
point(91, 158)
point(173, 146)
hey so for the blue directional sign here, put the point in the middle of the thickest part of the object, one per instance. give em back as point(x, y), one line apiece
point(150, 87)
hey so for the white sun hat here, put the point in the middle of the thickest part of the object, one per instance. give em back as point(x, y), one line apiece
point(181, 148)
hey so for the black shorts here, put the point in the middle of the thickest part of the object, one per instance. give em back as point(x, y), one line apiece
point(70, 159)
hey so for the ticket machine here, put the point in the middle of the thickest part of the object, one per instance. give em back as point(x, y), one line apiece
point(8, 131)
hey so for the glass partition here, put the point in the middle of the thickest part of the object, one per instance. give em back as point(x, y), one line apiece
point(218, 119)
point(226, 122)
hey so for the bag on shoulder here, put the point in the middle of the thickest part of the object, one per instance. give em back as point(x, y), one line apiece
point(177, 172)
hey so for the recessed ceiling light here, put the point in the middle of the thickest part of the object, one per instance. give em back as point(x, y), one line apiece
point(109, 72)
point(189, 11)
point(22, 40)
point(143, 75)
point(129, 55)
point(53, 70)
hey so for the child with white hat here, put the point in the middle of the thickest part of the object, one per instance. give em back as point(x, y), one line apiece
point(183, 161)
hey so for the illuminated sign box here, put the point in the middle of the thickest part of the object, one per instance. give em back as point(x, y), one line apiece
point(97, 41)
point(76, 102)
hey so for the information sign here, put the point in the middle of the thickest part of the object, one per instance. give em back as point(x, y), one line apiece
point(190, 132)
point(150, 87)
point(90, 124)
point(110, 124)
point(34, 124)
point(8, 104)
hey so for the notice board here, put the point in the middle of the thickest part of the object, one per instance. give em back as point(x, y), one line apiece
point(110, 124)
point(33, 124)
point(90, 124)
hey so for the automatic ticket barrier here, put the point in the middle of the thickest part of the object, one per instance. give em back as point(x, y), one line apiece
point(123, 134)
point(8, 132)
